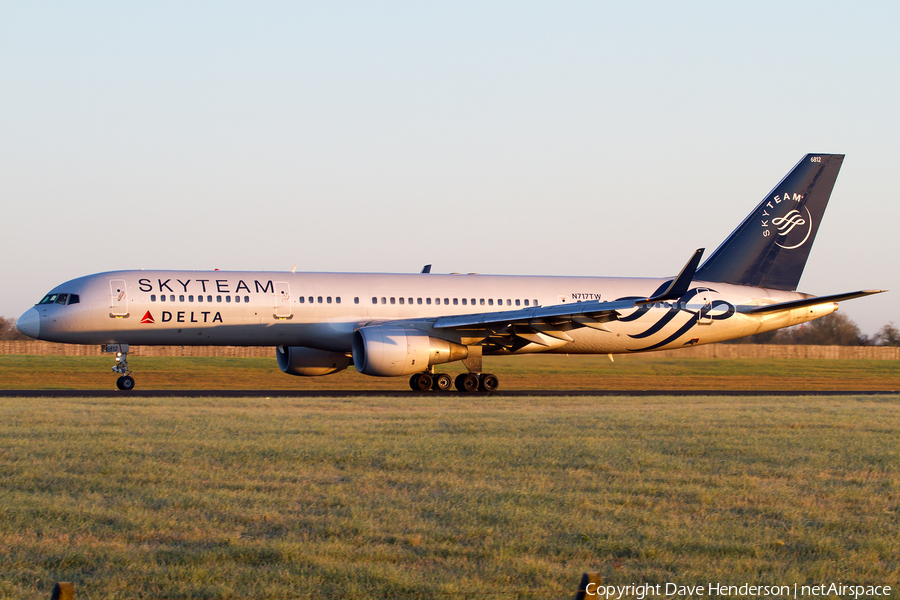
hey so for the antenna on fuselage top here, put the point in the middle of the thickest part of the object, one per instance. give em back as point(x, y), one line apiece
point(294, 269)
point(426, 269)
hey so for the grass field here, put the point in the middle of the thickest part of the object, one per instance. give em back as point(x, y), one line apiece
point(447, 496)
point(516, 373)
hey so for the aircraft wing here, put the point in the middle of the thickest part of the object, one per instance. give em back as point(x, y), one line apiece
point(540, 325)
point(547, 325)
point(593, 310)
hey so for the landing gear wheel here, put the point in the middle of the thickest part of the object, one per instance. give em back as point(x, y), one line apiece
point(488, 382)
point(421, 382)
point(125, 380)
point(467, 382)
point(442, 382)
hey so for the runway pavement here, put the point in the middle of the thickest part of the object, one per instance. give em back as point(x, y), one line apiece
point(401, 393)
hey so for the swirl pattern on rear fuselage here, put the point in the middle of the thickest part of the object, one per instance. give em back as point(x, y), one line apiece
point(707, 311)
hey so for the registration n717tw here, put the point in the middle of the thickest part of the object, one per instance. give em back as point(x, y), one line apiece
point(393, 325)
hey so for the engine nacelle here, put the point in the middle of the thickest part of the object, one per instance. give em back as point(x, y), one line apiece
point(309, 362)
point(391, 351)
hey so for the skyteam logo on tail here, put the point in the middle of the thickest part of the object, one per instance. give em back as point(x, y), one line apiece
point(784, 216)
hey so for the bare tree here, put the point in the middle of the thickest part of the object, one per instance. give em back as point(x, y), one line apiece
point(8, 330)
point(887, 336)
point(835, 329)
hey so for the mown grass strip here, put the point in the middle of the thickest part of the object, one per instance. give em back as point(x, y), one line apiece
point(516, 373)
point(443, 496)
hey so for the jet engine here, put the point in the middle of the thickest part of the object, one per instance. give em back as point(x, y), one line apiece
point(390, 351)
point(309, 362)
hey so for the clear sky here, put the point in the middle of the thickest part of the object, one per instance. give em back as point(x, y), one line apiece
point(577, 138)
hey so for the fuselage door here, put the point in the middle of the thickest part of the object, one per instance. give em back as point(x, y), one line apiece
point(118, 298)
point(282, 299)
point(704, 317)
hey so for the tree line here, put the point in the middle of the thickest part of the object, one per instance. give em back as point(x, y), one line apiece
point(8, 330)
point(833, 330)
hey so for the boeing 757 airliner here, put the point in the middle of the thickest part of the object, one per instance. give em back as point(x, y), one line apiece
point(391, 325)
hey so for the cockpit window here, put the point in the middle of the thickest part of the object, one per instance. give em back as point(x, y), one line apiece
point(60, 299)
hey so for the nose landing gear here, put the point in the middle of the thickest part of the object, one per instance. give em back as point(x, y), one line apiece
point(125, 381)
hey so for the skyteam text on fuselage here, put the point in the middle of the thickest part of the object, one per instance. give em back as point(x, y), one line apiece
point(392, 325)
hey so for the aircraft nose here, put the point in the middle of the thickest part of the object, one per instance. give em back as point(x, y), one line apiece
point(30, 323)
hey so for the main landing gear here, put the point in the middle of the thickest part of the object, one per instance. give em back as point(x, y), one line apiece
point(125, 381)
point(465, 382)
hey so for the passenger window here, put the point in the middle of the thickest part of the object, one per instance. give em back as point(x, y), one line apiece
point(427, 300)
point(473, 301)
point(237, 298)
point(481, 302)
point(301, 299)
point(374, 300)
point(320, 299)
point(246, 298)
point(190, 298)
point(311, 300)
point(383, 300)
point(209, 298)
point(218, 298)
point(456, 302)
point(393, 300)
point(535, 302)
point(446, 301)
point(337, 300)
point(490, 301)
point(402, 301)
point(162, 297)
point(518, 302)
point(61, 299)
point(152, 297)
point(172, 297)
point(464, 301)
point(328, 300)
point(418, 301)
point(410, 300)
point(73, 299)
point(526, 302)
point(181, 298)
point(199, 298)
point(355, 300)
point(227, 298)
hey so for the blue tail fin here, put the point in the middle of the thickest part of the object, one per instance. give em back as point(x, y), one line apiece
point(769, 249)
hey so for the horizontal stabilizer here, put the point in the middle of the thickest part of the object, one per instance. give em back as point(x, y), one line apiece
point(680, 284)
point(815, 300)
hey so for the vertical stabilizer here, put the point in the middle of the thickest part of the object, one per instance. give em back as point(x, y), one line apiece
point(769, 249)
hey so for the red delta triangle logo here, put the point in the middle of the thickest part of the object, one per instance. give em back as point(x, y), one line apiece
point(148, 318)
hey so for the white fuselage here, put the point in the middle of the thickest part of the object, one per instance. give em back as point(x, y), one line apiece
point(322, 310)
